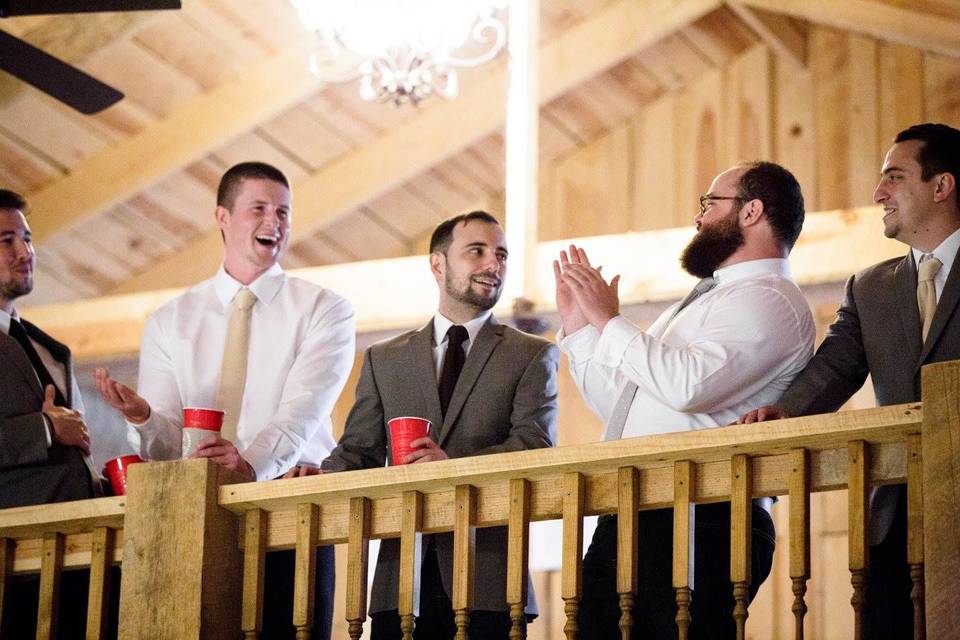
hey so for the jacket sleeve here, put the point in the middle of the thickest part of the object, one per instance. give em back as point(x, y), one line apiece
point(363, 444)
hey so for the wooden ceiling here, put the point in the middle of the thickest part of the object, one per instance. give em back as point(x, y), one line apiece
point(123, 201)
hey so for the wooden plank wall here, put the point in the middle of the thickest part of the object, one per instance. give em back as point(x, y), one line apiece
point(830, 122)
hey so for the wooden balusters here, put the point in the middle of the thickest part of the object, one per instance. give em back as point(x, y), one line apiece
point(799, 492)
point(411, 524)
point(683, 493)
point(254, 561)
point(858, 528)
point(6, 571)
point(101, 558)
point(571, 578)
point(915, 531)
point(628, 504)
point(305, 569)
point(51, 563)
point(464, 549)
point(741, 536)
point(518, 551)
point(358, 544)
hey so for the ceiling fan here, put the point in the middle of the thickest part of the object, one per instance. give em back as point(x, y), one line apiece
point(51, 75)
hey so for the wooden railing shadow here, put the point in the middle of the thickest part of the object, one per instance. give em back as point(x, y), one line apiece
point(194, 541)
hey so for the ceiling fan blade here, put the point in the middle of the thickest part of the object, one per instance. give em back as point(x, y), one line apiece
point(49, 7)
point(64, 82)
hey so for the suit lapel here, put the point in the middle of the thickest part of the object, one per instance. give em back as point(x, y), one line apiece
point(60, 353)
point(945, 309)
point(420, 352)
point(12, 352)
point(905, 275)
point(487, 340)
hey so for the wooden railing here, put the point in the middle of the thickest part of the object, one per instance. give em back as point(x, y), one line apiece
point(184, 575)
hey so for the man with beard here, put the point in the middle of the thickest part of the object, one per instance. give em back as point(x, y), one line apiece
point(44, 443)
point(485, 387)
point(741, 335)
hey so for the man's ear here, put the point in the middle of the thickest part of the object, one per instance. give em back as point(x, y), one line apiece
point(751, 213)
point(944, 187)
point(222, 215)
point(438, 262)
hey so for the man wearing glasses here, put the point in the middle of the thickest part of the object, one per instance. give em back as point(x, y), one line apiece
point(741, 335)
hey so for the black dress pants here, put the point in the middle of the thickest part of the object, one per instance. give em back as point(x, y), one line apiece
point(888, 611)
point(436, 619)
point(278, 595)
point(655, 608)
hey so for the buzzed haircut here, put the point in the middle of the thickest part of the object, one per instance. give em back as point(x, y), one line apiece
point(780, 194)
point(230, 182)
point(939, 153)
point(12, 200)
point(443, 235)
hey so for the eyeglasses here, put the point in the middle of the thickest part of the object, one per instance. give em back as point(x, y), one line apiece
point(707, 199)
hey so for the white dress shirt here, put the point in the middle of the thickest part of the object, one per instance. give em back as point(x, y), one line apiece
point(441, 325)
point(945, 252)
point(733, 349)
point(300, 353)
point(56, 369)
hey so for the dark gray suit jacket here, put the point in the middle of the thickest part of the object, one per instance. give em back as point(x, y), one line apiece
point(505, 400)
point(31, 472)
point(877, 332)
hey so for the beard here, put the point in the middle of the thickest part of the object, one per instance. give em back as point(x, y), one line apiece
point(14, 288)
point(467, 296)
point(712, 246)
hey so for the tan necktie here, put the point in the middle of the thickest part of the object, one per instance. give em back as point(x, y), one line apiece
point(233, 367)
point(927, 291)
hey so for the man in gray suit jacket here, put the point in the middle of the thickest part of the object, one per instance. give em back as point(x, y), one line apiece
point(497, 392)
point(879, 331)
point(44, 443)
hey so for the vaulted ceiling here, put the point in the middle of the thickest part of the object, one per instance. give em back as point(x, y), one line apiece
point(123, 201)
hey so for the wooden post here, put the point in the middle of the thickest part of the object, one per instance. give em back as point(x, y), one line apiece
point(571, 576)
point(799, 533)
point(358, 546)
point(464, 550)
point(628, 505)
point(181, 555)
point(941, 497)
point(683, 538)
point(411, 525)
point(915, 531)
point(254, 563)
point(305, 569)
point(101, 558)
point(741, 536)
point(518, 549)
point(6, 571)
point(859, 525)
point(51, 565)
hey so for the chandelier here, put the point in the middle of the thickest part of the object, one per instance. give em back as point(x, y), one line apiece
point(405, 50)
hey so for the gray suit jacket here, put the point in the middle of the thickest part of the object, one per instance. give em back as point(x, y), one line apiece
point(877, 332)
point(505, 400)
point(30, 472)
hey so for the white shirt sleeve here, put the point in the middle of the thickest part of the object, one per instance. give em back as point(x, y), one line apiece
point(598, 383)
point(312, 387)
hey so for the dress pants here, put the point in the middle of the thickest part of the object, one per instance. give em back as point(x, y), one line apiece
point(888, 610)
point(436, 619)
point(278, 595)
point(655, 607)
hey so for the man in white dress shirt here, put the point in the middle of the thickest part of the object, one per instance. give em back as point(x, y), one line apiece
point(299, 354)
point(740, 337)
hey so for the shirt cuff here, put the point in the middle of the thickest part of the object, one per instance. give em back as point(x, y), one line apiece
point(579, 345)
point(48, 429)
point(617, 336)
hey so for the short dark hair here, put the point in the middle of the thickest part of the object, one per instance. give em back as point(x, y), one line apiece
point(443, 235)
point(780, 194)
point(939, 151)
point(230, 182)
point(12, 200)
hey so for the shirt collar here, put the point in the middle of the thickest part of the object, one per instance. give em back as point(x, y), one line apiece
point(265, 287)
point(442, 324)
point(752, 269)
point(946, 252)
point(5, 319)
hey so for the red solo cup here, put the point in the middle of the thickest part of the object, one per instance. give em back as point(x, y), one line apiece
point(117, 472)
point(403, 431)
point(199, 425)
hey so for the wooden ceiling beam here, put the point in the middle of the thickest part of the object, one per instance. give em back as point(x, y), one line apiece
point(776, 30)
point(194, 129)
point(884, 20)
point(444, 128)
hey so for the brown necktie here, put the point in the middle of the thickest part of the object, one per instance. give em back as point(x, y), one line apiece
point(927, 291)
point(233, 367)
